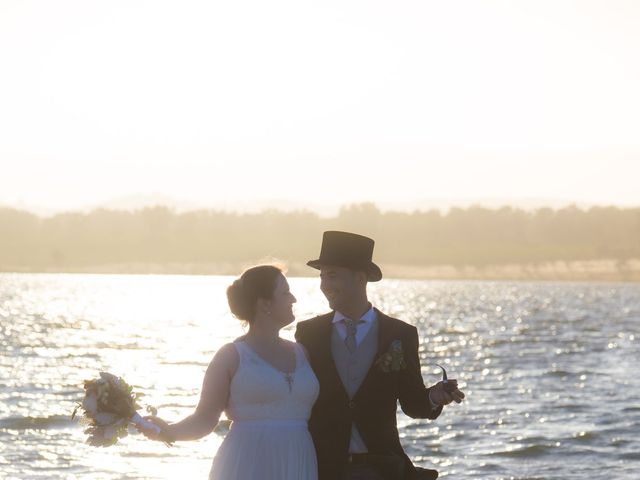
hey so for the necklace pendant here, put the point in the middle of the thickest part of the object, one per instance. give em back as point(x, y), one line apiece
point(288, 377)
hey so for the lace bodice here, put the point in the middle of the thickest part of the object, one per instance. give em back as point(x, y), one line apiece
point(259, 391)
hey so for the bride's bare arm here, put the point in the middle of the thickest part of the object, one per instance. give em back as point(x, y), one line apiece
point(213, 399)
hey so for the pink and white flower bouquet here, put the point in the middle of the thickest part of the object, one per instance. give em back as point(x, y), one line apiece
point(109, 406)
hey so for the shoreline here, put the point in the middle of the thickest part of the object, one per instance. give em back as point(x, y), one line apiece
point(605, 270)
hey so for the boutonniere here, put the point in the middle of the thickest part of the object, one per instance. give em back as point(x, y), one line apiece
point(393, 359)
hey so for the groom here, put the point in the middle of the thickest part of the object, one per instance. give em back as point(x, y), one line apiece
point(366, 362)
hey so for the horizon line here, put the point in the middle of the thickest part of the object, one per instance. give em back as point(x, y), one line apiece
point(335, 209)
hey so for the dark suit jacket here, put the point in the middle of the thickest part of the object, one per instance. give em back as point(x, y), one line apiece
point(373, 408)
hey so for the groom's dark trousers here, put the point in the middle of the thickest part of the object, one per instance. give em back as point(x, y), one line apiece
point(373, 407)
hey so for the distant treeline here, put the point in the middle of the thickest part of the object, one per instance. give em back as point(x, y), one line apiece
point(461, 237)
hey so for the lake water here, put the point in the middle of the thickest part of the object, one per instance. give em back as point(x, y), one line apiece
point(550, 371)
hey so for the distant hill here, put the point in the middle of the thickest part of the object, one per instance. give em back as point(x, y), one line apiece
point(472, 242)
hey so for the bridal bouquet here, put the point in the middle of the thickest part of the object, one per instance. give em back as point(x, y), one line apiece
point(109, 405)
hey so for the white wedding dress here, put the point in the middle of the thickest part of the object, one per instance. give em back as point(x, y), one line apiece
point(268, 438)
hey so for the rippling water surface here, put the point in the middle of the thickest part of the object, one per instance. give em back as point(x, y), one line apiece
point(550, 371)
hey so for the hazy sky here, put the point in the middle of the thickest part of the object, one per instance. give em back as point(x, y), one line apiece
point(319, 102)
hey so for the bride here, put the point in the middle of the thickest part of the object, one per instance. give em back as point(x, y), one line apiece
point(265, 386)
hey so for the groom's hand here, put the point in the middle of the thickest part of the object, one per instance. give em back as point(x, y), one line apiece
point(443, 393)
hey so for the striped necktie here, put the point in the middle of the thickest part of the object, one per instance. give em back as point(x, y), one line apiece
point(352, 328)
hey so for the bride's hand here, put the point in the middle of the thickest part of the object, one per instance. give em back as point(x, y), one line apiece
point(152, 434)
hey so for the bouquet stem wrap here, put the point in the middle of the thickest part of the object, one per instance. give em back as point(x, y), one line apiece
point(141, 422)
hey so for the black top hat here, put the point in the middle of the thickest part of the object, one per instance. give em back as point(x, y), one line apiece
point(344, 249)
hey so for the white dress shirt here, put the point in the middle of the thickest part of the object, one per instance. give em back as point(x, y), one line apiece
point(362, 328)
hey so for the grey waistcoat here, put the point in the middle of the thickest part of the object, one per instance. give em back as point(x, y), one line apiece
point(353, 368)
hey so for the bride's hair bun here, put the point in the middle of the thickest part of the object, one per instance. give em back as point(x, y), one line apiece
point(256, 282)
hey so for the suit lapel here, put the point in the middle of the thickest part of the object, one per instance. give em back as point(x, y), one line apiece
point(385, 337)
point(325, 352)
point(385, 333)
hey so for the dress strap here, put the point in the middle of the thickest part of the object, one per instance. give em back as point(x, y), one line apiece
point(241, 348)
